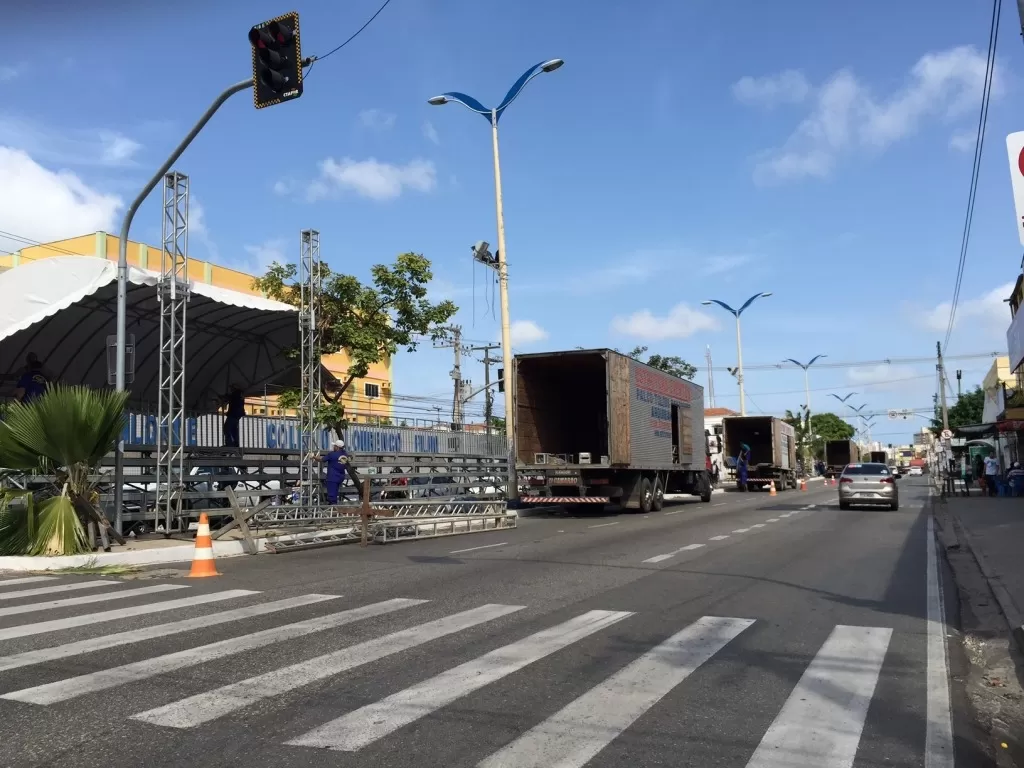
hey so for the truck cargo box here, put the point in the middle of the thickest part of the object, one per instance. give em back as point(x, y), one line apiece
point(772, 441)
point(839, 453)
point(608, 407)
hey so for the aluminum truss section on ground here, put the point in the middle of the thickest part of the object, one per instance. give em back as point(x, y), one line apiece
point(172, 293)
point(309, 331)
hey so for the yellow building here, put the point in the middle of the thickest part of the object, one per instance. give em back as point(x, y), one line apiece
point(367, 400)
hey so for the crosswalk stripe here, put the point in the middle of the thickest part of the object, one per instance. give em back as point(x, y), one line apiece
point(90, 645)
point(25, 580)
point(375, 721)
point(71, 602)
point(62, 690)
point(204, 707)
point(573, 736)
point(820, 724)
point(73, 587)
point(55, 625)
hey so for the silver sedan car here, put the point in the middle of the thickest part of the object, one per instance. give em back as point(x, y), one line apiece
point(871, 484)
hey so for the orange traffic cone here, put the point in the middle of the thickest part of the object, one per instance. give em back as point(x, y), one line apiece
point(803, 484)
point(202, 560)
point(771, 488)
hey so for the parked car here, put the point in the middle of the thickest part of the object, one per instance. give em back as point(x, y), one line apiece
point(916, 471)
point(871, 483)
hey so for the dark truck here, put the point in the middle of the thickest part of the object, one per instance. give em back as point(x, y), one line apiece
point(772, 444)
point(878, 457)
point(839, 453)
point(597, 427)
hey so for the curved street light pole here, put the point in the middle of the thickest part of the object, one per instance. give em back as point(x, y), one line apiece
point(807, 395)
point(493, 116)
point(739, 340)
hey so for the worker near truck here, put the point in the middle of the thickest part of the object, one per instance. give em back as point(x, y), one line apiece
point(742, 467)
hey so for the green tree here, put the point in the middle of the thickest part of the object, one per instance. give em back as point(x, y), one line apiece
point(498, 424)
point(670, 364)
point(63, 434)
point(369, 323)
point(967, 410)
point(824, 427)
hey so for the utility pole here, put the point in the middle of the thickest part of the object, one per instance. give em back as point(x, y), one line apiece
point(959, 376)
point(455, 343)
point(711, 378)
point(488, 395)
point(940, 367)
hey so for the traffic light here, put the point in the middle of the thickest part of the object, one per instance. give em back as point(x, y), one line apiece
point(276, 61)
point(501, 379)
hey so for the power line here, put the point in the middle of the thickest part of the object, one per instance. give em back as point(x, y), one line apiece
point(863, 363)
point(979, 143)
point(314, 59)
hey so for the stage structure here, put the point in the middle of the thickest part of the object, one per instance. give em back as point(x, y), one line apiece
point(310, 284)
point(173, 295)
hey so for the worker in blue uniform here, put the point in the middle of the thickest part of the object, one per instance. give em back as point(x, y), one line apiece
point(742, 467)
point(337, 464)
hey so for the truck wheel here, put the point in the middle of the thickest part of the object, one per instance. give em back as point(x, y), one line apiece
point(705, 494)
point(658, 503)
point(646, 496)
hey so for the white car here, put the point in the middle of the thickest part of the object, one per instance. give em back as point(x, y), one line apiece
point(916, 471)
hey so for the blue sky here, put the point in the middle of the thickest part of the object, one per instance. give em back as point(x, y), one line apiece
point(685, 151)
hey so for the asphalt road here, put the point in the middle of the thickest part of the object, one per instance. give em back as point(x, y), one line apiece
point(751, 631)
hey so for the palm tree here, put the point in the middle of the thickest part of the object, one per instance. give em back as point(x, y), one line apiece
point(63, 435)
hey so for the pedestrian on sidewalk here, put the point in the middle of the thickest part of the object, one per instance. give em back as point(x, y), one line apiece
point(991, 473)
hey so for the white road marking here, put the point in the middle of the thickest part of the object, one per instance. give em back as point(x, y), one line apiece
point(758, 525)
point(473, 549)
point(741, 530)
point(71, 602)
point(785, 514)
point(72, 587)
point(366, 725)
point(25, 580)
point(720, 504)
point(674, 512)
point(573, 736)
point(723, 537)
point(603, 525)
point(28, 658)
point(660, 558)
point(772, 520)
point(939, 726)
point(70, 688)
point(24, 630)
point(821, 722)
point(204, 707)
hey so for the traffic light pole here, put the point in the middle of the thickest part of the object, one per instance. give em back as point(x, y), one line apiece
point(122, 276)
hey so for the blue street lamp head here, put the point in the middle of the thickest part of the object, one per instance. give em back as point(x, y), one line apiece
point(494, 115)
point(805, 367)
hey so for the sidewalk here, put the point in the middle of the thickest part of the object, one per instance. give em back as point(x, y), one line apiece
point(994, 528)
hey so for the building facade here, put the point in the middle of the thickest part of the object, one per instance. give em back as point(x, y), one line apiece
point(368, 400)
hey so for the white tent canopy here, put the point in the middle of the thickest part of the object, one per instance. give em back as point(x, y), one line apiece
point(64, 308)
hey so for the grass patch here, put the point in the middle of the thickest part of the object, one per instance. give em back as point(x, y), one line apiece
point(92, 568)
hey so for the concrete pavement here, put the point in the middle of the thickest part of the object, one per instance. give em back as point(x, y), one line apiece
point(761, 632)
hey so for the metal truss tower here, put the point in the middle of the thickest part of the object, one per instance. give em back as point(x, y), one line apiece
point(309, 332)
point(172, 294)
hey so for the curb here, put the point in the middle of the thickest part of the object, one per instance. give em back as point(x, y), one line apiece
point(1006, 605)
point(178, 554)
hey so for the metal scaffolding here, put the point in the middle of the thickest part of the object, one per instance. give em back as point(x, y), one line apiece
point(172, 293)
point(309, 331)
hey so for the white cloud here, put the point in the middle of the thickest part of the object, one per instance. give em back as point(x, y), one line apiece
point(9, 72)
point(680, 323)
point(986, 315)
point(527, 332)
point(846, 116)
point(74, 147)
point(377, 120)
point(789, 87)
point(198, 230)
point(431, 132)
point(963, 141)
point(716, 265)
point(372, 179)
point(43, 205)
point(266, 253)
